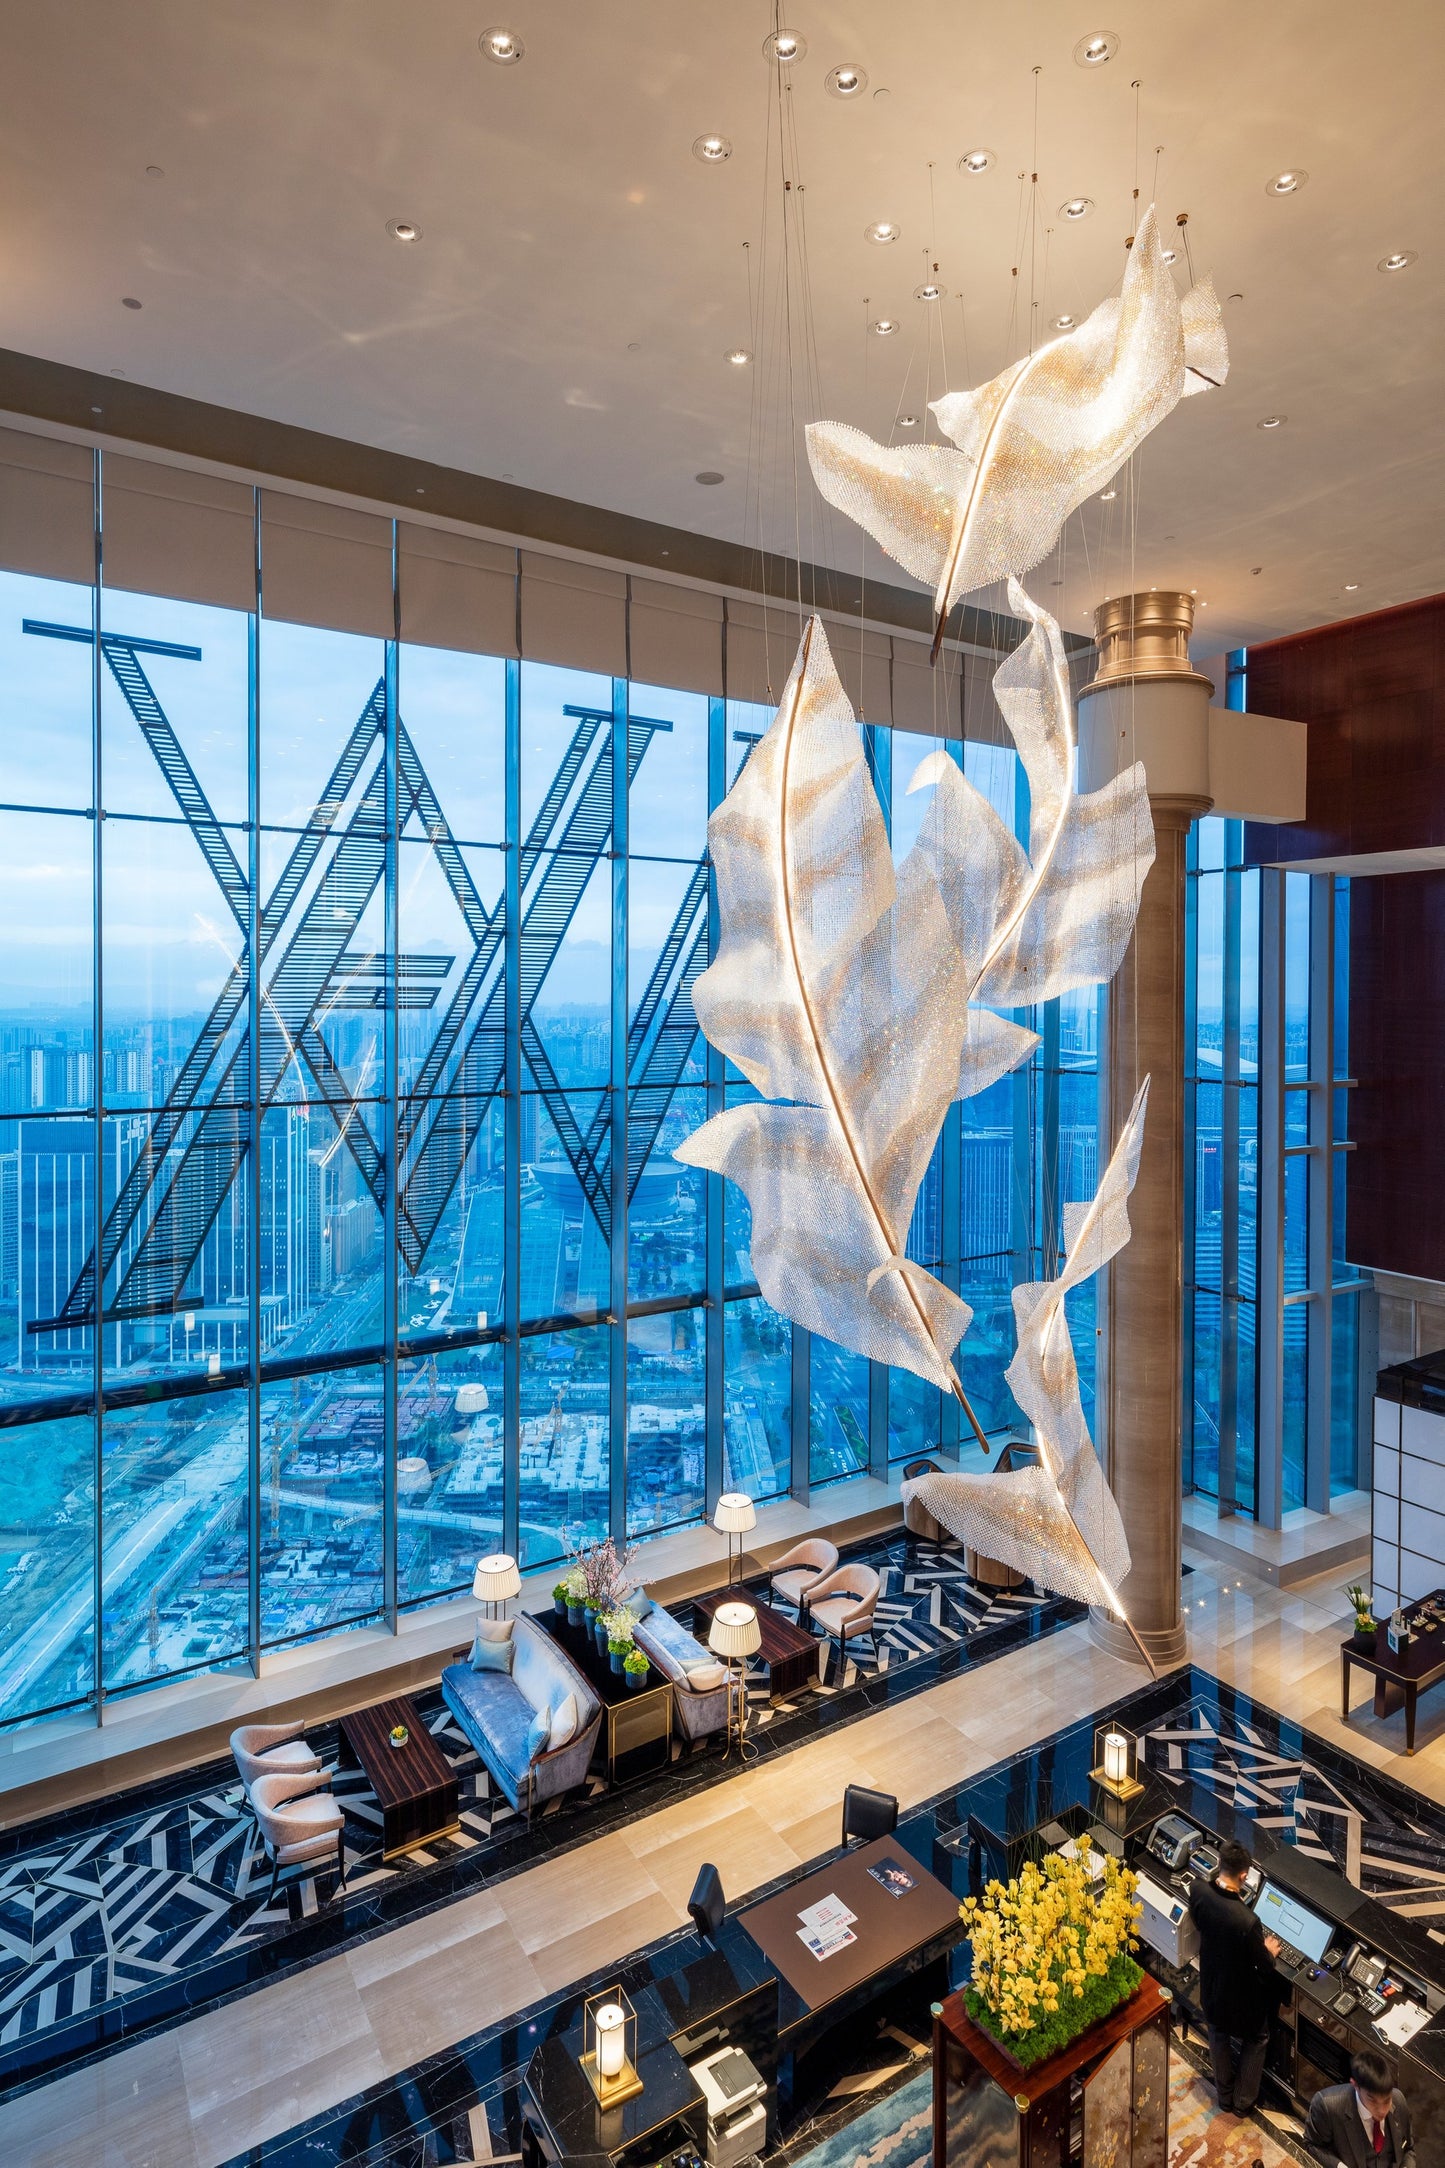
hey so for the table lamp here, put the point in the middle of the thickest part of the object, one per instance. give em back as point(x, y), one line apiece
point(1115, 1759)
point(734, 1635)
point(495, 1579)
point(609, 2047)
point(734, 1513)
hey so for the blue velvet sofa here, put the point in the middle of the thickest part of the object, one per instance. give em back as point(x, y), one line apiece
point(495, 1709)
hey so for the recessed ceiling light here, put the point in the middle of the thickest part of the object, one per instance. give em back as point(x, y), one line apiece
point(1169, 255)
point(1099, 46)
point(128, 301)
point(784, 45)
point(502, 46)
point(908, 421)
point(884, 328)
point(1063, 323)
point(97, 410)
point(712, 150)
point(738, 356)
point(117, 372)
point(976, 161)
point(1076, 207)
point(155, 173)
point(402, 229)
point(708, 476)
point(930, 290)
point(1107, 496)
point(1287, 183)
point(1352, 587)
point(1400, 261)
point(845, 82)
point(1273, 421)
point(882, 231)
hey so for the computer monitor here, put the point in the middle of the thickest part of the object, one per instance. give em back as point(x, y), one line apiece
point(1293, 1922)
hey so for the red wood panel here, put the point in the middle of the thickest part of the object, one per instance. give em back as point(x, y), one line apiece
point(1395, 1214)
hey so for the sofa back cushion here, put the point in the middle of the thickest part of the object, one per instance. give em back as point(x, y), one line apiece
point(544, 1675)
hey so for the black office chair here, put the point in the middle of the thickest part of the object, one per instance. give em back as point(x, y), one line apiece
point(868, 1814)
point(707, 1904)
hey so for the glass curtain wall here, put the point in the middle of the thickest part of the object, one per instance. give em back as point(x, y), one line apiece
point(346, 1034)
point(1272, 1414)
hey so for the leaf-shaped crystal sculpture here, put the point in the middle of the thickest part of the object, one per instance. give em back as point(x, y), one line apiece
point(1035, 441)
point(837, 989)
point(1057, 1521)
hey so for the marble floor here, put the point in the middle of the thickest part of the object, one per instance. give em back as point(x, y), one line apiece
point(217, 2086)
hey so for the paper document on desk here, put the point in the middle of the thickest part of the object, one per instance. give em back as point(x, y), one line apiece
point(826, 1917)
point(825, 1945)
point(1401, 2023)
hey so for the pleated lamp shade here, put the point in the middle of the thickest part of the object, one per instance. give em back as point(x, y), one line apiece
point(496, 1579)
point(734, 1512)
point(735, 1631)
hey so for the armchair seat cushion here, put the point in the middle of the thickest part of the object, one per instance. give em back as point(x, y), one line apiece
point(294, 1754)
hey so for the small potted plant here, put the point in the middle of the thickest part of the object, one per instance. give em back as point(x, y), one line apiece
point(1365, 1625)
point(617, 1626)
point(576, 1587)
point(559, 1599)
point(634, 1670)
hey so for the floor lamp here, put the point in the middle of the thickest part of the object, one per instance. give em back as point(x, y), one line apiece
point(496, 1579)
point(734, 1636)
point(733, 1515)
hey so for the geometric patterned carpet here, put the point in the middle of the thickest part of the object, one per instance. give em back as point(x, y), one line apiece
point(1386, 1841)
point(98, 1917)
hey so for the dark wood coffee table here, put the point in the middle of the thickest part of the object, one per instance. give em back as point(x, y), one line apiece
point(790, 1652)
point(415, 1786)
point(1401, 1677)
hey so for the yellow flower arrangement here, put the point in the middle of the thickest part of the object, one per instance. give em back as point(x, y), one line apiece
point(1051, 1950)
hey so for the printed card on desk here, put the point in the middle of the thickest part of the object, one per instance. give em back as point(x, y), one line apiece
point(825, 1945)
point(892, 1875)
point(826, 1918)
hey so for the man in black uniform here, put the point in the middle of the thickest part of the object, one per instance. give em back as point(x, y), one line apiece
point(1239, 1989)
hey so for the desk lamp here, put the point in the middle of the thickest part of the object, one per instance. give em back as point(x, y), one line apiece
point(734, 1635)
point(495, 1579)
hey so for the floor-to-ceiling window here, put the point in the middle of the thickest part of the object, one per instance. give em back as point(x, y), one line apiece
point(346, 1034)
point(1272, 1414)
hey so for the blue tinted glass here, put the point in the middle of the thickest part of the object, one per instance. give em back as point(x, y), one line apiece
point(1296, 974)
point(322, 1184)
point(193, 701)
point(1247, 1389)
point(175, 1555)
point(450, 1216)
point(1203, 1473)
point(1344, 1392)
point(986, 1171)
point(322, 1455)
point(1341, 1055)
point(1208, 1184)
point(667, 1214)
point(450, 990)
point(46, 692)
point(47, 942)
point(915, 1416)
point(47, 1189)
point(47, 1565)
point(452, 709)
point(757, 1399)
point(838, 1389)
point(1209, 981)
point(565, 1396)
point(667, 802)
point(320, 715)
point(448, 1470)
point(566, 759)
point(1296, 1397)
point(987, 1348)
point(567, 970)
point(566, 1204)
point(666, 1413)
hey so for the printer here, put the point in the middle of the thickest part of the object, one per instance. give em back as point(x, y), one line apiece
point(737, 2108)
point(1165, 1924)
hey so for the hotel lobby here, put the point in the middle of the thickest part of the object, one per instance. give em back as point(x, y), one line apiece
point(722, 1274)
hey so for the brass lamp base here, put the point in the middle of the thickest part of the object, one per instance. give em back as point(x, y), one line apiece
point(611, 2092)
point(1120, 1787)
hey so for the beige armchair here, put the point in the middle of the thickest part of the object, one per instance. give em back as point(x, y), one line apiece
point(797, 1572)
point(268, 1750)
point(299, 1826)
point(843, 1603)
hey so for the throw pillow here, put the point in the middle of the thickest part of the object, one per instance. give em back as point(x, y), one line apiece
point(492, 1655)
point(564, 1721)
point(704, 1677)
point(494, 1629)
point(538, 1733)
point(639, 1603)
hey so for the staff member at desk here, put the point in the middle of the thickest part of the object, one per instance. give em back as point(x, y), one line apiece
point(1365, 2124)
point(1239, 1989)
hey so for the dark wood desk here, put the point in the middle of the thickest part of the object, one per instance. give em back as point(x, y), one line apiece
point(891, 1931)
point(415, 1786)
point(1400, 1679)
point(790, 1652)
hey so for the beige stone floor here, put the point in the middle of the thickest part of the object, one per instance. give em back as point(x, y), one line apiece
point(199, 2094)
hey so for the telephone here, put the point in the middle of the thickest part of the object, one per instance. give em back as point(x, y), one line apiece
point(1363, 1969)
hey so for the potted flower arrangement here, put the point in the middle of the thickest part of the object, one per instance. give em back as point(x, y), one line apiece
point(634, 1670)
point(617, 1625)
point(559, 1599)
point(1365, 1623)
point(575, 1585)
point(1051, 1952)
point(602, 1570)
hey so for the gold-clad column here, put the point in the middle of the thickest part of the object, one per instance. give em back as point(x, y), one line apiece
point(1146, 702)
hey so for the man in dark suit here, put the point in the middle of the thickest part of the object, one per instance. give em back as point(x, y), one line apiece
point(1365, 2124)
point(1239, 1989)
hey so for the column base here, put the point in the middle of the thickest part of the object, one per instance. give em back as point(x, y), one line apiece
point(1167, 1645)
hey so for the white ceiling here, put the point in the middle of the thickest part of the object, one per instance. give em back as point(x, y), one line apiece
point(563, 320)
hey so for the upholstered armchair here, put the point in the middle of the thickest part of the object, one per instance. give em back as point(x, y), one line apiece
point(269, 1750)
point(299, 1826)
point(796, 1574)
point(842, 1603)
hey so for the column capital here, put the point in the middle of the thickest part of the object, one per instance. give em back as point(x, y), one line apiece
point(1177, 809)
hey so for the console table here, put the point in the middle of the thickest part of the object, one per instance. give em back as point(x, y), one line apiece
point(1400, 1677)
